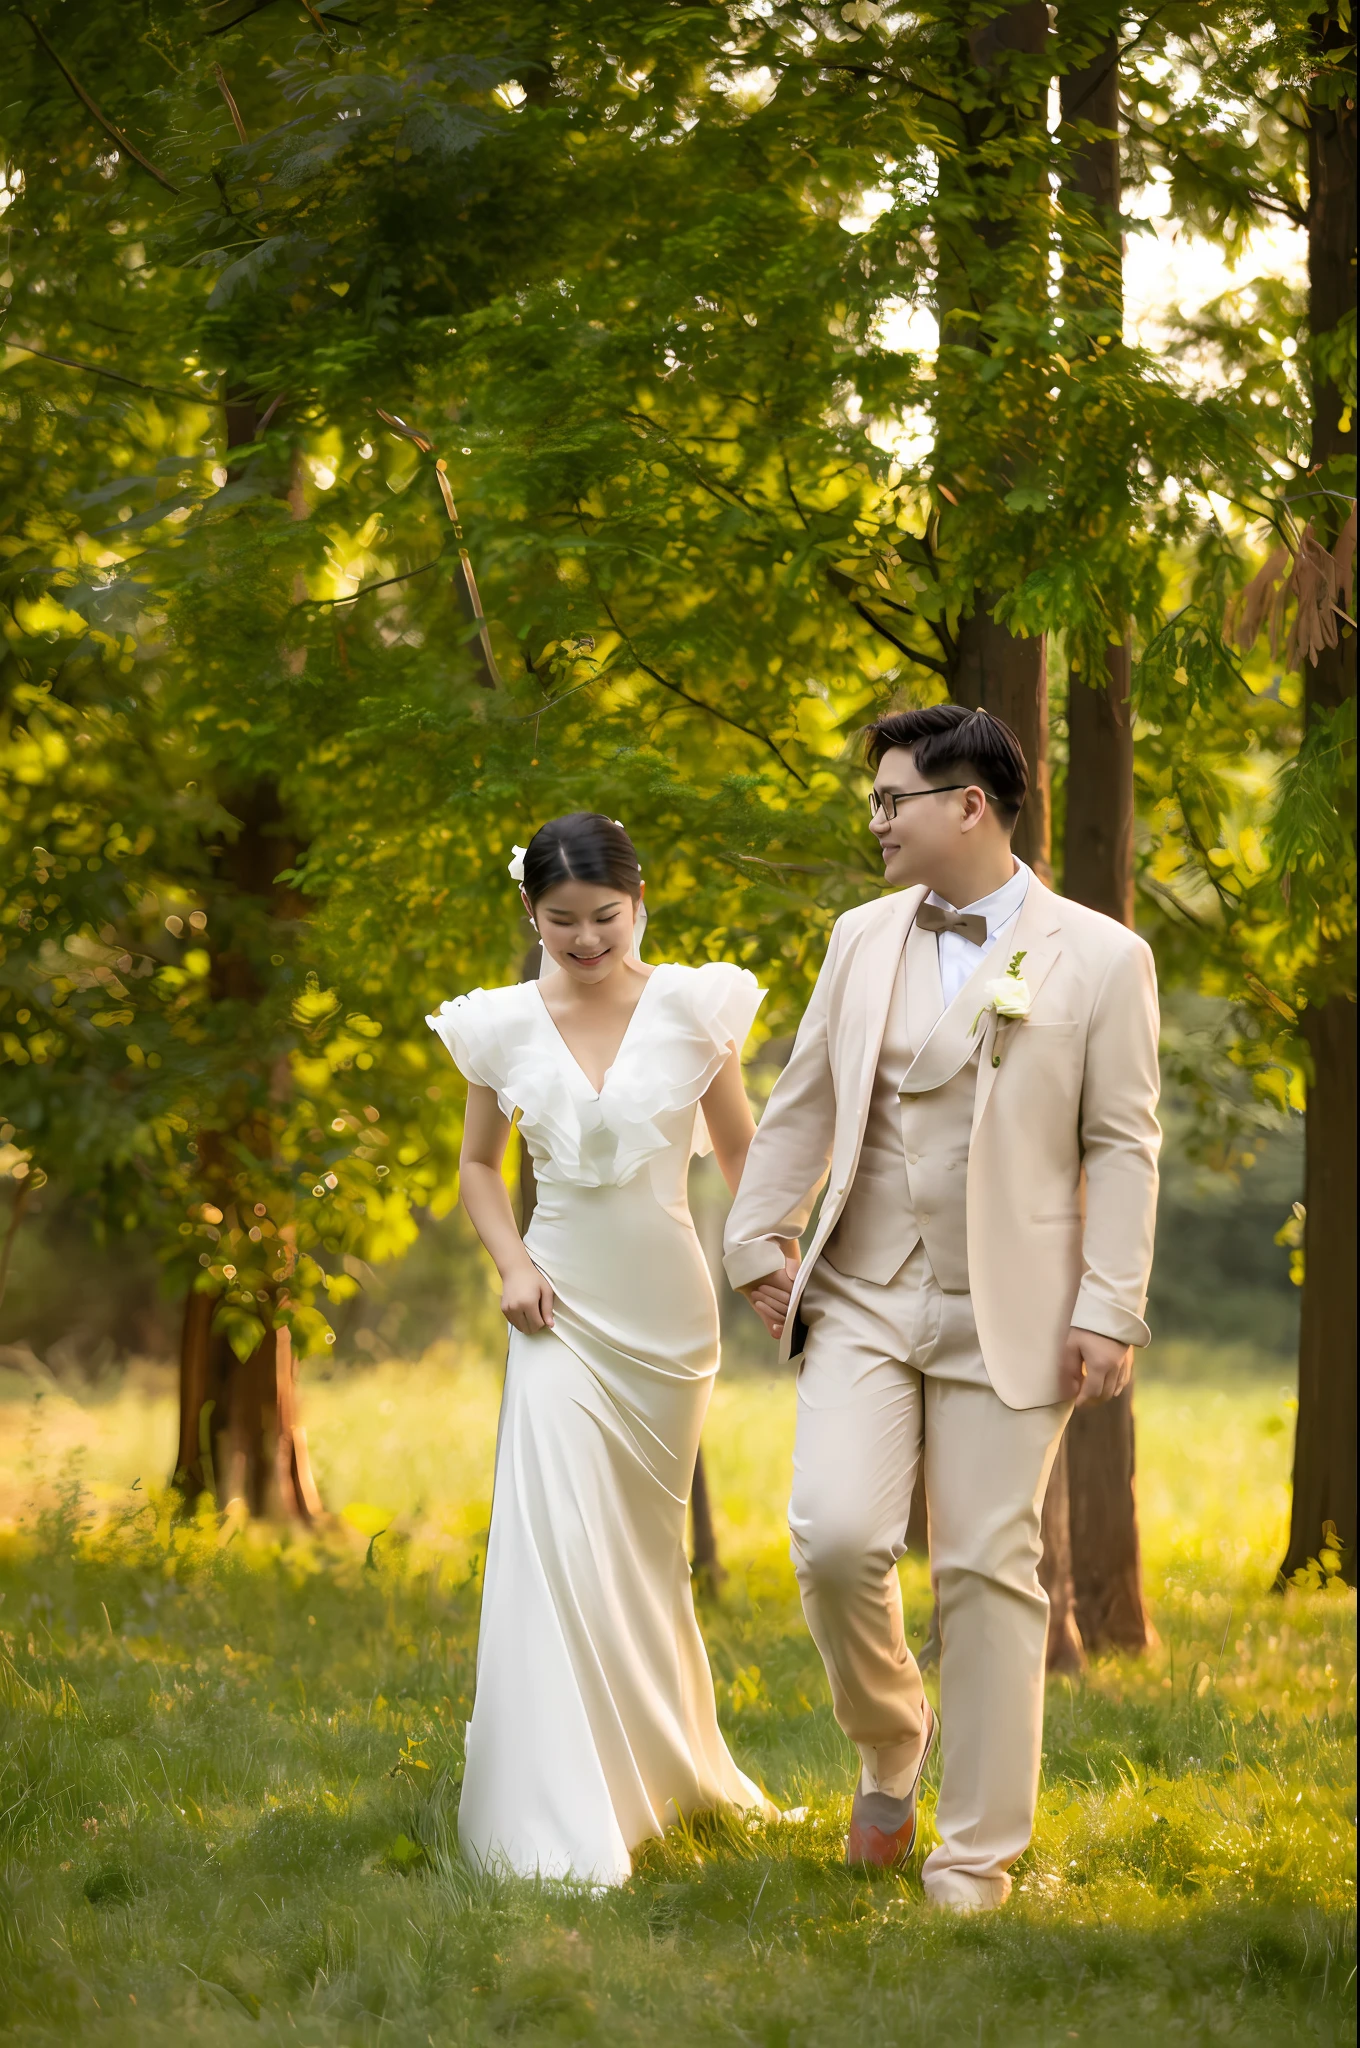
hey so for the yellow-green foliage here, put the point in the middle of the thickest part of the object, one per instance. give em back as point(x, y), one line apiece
point(231, 1762)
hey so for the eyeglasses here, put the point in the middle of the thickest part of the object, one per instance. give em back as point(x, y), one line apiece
point(888, 800)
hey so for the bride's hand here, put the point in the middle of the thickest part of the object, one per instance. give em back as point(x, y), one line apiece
point(770, 1297)
point(527, 1300)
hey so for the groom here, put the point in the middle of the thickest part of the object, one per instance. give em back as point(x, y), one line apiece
point(980, 1264)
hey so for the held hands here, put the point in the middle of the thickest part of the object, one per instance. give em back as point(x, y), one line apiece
point(1094, 1368)
point(770, 1295)
point(527, 1299)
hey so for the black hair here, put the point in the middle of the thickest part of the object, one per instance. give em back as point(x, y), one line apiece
point(945, 737)
point(581, 847)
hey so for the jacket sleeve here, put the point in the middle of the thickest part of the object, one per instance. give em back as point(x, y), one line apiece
point(1120, 1139)
point(791, 1150)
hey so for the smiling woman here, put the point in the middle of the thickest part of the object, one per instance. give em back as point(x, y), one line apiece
point(583, 889)
point(594, 1725)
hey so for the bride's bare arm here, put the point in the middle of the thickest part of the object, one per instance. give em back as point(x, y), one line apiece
point(731, 1126)
point(526, 1297)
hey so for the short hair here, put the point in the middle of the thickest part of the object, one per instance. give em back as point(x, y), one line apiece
point(583, 846)
point(941, 737)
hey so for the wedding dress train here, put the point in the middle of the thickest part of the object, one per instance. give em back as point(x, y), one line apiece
point(594, 1724)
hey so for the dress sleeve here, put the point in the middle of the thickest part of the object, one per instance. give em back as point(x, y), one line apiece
point(467, 1028)
point(726, 998)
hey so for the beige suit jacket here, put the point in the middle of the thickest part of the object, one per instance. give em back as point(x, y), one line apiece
point(1062, 1162)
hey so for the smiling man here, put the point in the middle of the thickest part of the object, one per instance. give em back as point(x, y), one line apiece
point(977, 1074)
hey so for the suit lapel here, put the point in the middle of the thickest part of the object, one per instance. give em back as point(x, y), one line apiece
point(869, 987)
point(1037, 935)
point(953, 1041)
point(876, 972)
point(871, 990)
point(925, 997)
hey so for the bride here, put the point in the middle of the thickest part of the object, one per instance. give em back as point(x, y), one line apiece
point(594, 1724)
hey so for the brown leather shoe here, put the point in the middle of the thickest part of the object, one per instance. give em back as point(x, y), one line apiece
point(883, 1830)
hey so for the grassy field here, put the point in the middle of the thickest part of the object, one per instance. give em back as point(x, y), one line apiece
point(231, 1760)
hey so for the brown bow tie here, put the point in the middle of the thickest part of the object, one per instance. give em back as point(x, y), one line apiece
point(932, 918)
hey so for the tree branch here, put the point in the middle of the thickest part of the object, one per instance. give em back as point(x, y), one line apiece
point(910, 612)
point(114, 376)
point(259, 8)
point(1160, 892)
point(930, 661)
point(551, 703)
point(845, 586)
point(699, 704)
point(715, 490)
point(1238, 195)
point(237, 123)
point(793, 495)
point(945, 637)
point(316, 604)
point(230, 210)
point(237, 19)
point(102, 118)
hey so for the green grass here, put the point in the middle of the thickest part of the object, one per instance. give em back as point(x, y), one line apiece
point(231, 1758)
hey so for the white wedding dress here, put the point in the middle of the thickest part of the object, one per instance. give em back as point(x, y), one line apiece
point(594, 1724)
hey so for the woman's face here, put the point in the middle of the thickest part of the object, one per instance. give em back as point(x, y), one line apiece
point(586, 928)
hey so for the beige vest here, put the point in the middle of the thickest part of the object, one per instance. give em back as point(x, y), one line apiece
point(911, 1183)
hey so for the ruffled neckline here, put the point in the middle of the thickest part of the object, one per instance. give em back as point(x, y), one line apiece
point(677, 1040)
point(623, 1047)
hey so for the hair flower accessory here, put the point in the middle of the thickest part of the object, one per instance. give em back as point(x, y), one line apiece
point(516, 867)
point(1008, 995)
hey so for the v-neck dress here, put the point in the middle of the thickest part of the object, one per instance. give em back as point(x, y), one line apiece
point(594, 1725)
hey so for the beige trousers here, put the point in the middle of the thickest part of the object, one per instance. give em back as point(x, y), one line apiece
point(883, 1368)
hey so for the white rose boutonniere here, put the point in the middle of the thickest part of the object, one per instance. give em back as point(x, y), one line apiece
point(1009, 996)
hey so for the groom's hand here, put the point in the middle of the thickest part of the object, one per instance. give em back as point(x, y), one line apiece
point(770, 1296)
point(1094, 1368)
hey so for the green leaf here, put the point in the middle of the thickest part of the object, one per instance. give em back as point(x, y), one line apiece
point(403, 1855)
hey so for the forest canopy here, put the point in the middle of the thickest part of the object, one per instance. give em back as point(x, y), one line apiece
point(420, 421)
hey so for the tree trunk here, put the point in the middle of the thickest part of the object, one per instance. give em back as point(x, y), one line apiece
point(16, 1216)
point(1098, 839)
point(202, 1409)
point(991, 668)
point(239, 1437)
point(1324, 1446)
point(267, 1462)
point(1332, 252)
point(1065, 1649)
point(1107, 1568)
point(918, 1514)
point(1098, 868)
point(996, 671)
point(707, 1566)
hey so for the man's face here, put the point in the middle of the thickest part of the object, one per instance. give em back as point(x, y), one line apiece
point(925, 833)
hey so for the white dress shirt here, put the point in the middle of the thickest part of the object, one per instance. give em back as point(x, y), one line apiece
point(959, 956)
